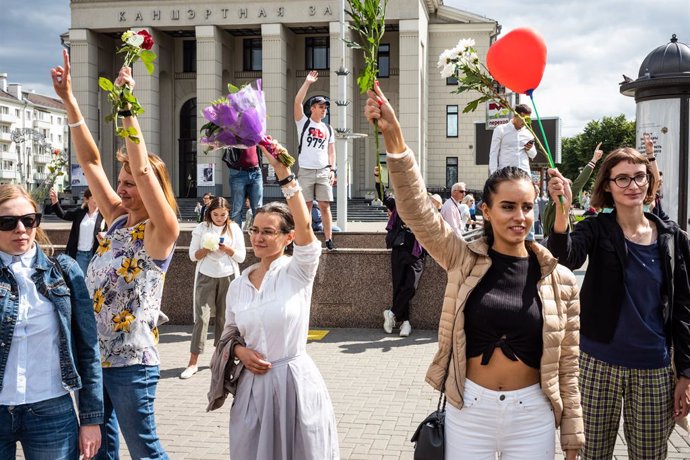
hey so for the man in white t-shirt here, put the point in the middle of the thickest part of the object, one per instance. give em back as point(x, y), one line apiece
point(316, 154)
point(512, 144)
point(456, 213)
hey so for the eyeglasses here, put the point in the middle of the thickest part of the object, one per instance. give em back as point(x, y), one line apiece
point(9, 223)
point(625, 181)
point(266, 233)
point(461, 191)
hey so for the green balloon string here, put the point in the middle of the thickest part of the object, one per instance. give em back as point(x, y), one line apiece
point(546, 142)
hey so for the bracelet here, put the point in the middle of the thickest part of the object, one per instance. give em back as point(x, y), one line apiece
point(125, 113)
point(651, 159)
point(289, 192)
point(591, 164)
point(287, 180)
point(74, 125)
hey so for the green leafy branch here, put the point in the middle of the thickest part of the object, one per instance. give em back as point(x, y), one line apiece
point(368, 22)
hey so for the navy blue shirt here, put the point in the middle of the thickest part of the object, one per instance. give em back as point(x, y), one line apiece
point(639, 341)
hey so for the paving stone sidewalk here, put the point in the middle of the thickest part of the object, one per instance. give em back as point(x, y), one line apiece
point(376, 382)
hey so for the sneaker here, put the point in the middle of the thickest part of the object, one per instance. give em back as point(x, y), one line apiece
point(405, 329)
point(388, 321)
point(187, 373)
point(329, 245)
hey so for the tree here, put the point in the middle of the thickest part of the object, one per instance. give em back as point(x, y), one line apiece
point(612, 132)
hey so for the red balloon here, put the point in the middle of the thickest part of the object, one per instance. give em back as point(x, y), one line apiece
point(517, 60)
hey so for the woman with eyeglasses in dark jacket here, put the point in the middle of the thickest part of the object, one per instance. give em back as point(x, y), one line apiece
point(635, 309)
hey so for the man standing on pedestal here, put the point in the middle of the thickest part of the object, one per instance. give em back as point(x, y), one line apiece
point(316, 154)
point(512, 144)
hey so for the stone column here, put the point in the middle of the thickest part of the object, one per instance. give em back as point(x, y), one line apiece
point(84, 64)
point(274, 40)
point(410, 91)
point(209, 87)
point(147, 92)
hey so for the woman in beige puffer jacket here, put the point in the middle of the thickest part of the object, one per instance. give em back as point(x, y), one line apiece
point(517, 363)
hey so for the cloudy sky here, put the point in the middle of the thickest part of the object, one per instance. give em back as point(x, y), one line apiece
point(591, 43)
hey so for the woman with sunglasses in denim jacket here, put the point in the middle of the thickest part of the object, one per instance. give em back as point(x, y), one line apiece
point(635, 308)
point(127, 273)
point(48, 343)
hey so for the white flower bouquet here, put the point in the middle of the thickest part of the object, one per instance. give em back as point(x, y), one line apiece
point(210, 241)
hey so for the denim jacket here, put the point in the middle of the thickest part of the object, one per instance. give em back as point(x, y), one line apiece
point(80, 364)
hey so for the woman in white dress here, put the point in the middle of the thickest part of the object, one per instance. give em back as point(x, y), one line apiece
point(282, 409)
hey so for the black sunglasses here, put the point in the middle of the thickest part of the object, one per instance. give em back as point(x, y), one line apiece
point(8, 223)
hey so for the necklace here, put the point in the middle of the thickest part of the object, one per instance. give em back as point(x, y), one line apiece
point(638, 235)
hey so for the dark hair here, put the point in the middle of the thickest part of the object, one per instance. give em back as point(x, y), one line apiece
point(523, 109)
point(208, 195)
point(509, 173)
point(602, 198)
point(87, 193)
point(287, 223)
point(218, 202)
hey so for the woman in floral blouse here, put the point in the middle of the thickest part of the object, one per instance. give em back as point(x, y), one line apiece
point(125, 278)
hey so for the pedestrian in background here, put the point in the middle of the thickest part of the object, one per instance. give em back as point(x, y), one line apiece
point(217, 247)
point(407, 265)
point(86, 230)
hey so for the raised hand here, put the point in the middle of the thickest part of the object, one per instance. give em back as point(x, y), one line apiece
point(560, 186)
point(312, 77)
point(62, 81)
point(598, 153)
point(124, 78)
point(378, 109)
point(53, 196)
point(648, 144)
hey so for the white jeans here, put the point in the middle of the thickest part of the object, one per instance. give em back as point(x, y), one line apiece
point(517, 425)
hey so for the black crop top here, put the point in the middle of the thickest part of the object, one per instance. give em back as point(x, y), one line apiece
point(504, 310)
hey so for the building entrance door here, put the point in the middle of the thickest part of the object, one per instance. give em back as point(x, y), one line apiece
point(187, 149)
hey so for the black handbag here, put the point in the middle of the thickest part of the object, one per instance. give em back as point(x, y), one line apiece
point(429, 438)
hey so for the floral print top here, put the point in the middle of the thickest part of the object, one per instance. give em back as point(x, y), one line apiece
point(126, 286)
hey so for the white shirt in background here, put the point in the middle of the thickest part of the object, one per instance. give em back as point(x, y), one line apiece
point(86, 230)
point(456, 214)
point(218, 264)
point(508, 148)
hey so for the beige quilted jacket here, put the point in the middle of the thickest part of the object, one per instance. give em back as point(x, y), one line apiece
point(466, 264)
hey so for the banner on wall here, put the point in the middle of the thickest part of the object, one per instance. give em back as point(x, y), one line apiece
point(205, 175)
point(78, 179)
point(660, 119)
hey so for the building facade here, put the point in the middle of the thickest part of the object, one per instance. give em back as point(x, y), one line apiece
point(32, 126)
point(204, 45)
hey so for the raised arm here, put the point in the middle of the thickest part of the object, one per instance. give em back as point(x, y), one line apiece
point(411, 198)
point(88, 156)
point(649, 151)
point(295, 200)
point(586, 173)
point(163, 224)
point(312, 77)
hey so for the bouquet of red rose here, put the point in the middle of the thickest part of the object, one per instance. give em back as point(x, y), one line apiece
point(239, 120)
point(135, 46)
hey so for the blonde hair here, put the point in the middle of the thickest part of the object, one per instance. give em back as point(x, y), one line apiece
point(161, 172)
point(11, 192)
point(467, 199)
